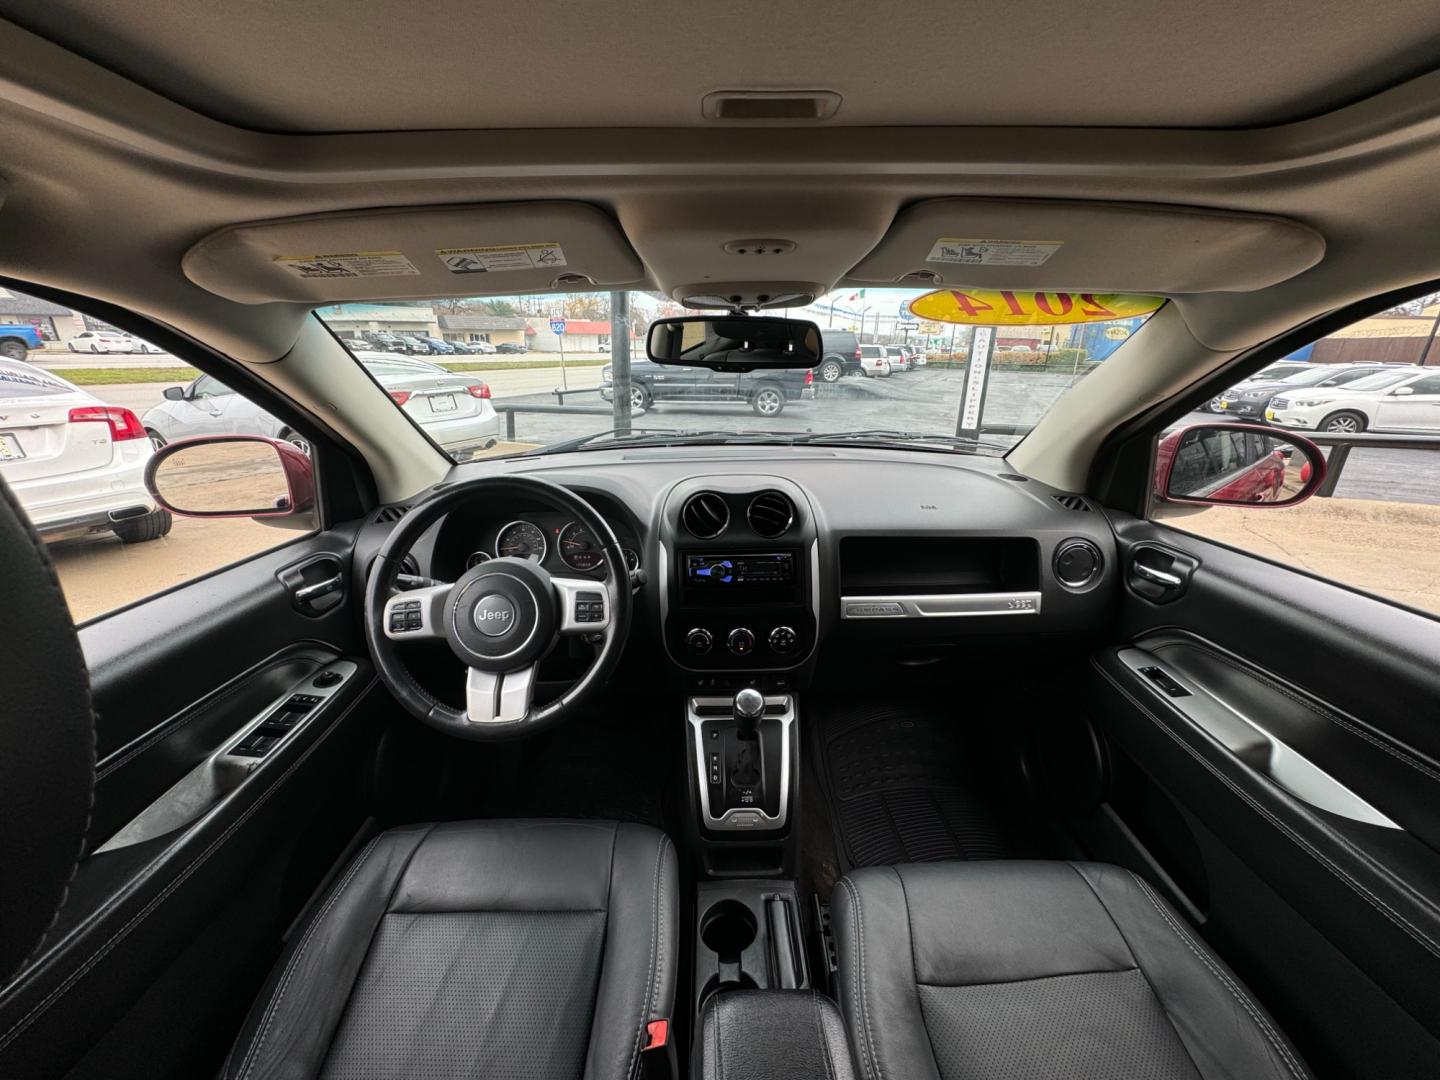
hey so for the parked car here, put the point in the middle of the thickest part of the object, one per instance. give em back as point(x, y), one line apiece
point(1252, 469)
point(840, 355)
point(1403, 401)
point(140, 345)
point(1273, 373)
point(472, 348)
point(453, 408)
point(1248, 401)
point(17, 339)
point(101, 341)
point(511, 348)
point(380, 341)
point(874, 361)
point(437, 346)
point(899, 358)
point(76, 464)
point(766, 391)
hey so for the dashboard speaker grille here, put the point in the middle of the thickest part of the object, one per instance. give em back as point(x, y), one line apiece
point(770, 514)
point(705, 515)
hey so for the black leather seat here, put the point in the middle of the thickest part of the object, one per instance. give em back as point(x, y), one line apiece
point(508, 949)
point(1031, 970)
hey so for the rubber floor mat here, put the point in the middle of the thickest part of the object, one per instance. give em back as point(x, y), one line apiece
point(904, 786)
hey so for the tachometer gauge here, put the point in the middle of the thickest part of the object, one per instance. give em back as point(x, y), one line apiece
point(632, 558)
point(521, 540)
point(476, 558)
point(578, 548)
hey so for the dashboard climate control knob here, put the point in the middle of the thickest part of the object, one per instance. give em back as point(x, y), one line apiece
point(699, 641)
point(783, 639)
point(741, 641)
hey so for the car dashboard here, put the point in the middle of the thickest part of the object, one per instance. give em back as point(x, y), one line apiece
point(787, 568)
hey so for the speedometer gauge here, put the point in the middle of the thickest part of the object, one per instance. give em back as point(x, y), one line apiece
point(521, 540)
point(578, 548)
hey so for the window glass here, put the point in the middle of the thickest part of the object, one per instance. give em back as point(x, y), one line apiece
point(87, 408)
point(1375, 523)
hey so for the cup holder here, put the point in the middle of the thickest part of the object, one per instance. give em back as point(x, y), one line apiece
point(727, 929)
point(716, 985)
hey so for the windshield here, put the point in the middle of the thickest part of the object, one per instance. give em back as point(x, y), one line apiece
point(1380, 380)
point(546, 372)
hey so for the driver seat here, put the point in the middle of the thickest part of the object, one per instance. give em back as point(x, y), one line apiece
point(515, 949)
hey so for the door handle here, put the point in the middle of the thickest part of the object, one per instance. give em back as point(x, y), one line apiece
point(1158, 573)
point(321, 588)
point(1160, 577)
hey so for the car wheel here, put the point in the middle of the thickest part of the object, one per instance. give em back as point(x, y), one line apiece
point(298, 441)
point(831, 370)
point(13, 349)
point(1343, 423)
point(138, 530)
point(767, 401)
point(156, 439)
point(639, 398)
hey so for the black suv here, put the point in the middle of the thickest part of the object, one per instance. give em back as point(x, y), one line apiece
point(841, 355)
point(767, 392)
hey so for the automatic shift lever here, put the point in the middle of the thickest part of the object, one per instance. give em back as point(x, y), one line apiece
point(748, 707)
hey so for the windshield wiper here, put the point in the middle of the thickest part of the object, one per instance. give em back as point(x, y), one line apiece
point(879, 436)
point(667, 437)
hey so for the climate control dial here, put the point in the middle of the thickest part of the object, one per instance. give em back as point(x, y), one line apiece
point(699, 641)
point(782, 639)
point(741, 641)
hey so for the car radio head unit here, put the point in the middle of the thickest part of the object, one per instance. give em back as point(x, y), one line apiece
point(727, 573)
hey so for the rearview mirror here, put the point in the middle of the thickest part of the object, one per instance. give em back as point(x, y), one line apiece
point(231, 476)
point(734, 342)
point(1237, 464)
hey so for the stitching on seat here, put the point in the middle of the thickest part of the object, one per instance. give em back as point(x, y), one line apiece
point(1237, 992)
point(647, 1005)
point(1400, 754)
point(253, 1054)
point(719, 1061)
point(1359, 889)
point(24, 1022)
point(824, 1041)
point(915, 967)
point(868, 1059)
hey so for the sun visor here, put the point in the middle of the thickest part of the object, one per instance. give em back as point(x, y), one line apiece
point(1104, 247)
point(416, 252)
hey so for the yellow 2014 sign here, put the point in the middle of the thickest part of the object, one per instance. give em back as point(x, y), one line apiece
point(1008, 308)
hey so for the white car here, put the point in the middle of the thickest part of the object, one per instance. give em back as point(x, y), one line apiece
point(76, 464)
point(102, 341)
point(140, 345)
point(1405, 401)
point(453, 408)
point(899, 358)
point(874, 361)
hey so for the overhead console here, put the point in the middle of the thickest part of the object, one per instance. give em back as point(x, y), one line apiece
point(739, 584)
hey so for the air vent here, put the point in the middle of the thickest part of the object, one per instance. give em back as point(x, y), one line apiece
point(1072, 502)
point(705, 516)
point(770, 514)
point(390, 513)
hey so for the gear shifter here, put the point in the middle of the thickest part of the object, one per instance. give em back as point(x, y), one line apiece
point(748, 707)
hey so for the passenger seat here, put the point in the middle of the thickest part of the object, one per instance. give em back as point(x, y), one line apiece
point(1037, 970)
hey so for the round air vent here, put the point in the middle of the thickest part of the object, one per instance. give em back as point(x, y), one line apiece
point(770, 514)
point(1077, 563)
point(705, 515)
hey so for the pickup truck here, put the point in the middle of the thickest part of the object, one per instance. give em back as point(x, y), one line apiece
point(17, 339)
point(766, 392)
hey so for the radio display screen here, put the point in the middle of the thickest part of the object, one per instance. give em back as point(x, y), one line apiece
point(715, 574)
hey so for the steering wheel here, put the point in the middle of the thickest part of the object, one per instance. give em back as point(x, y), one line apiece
point(500, 618)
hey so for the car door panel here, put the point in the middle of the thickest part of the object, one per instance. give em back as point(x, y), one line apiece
point(196, 859)
point(1262, 785)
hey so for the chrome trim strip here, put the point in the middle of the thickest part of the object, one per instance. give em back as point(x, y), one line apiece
point(939, 606)
point(1256, 747)
point(726, 821)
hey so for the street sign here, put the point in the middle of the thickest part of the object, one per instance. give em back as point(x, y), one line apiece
point(557, 326)
point(977, 381)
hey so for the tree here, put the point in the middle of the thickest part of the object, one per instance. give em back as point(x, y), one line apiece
point(498, 307)
point(586, 306)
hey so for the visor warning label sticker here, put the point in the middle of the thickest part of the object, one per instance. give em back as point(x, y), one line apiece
point(964, 252)
point(348, 264)
point(501, 257)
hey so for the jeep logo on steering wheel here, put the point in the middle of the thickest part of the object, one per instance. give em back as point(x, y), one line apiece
point(493, 615)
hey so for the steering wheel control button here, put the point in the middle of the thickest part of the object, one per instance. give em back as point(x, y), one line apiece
point(741, 641)
point(406, 615)
point(494, 615)
point(589, 607)
point(782, 639)
point(699, 641)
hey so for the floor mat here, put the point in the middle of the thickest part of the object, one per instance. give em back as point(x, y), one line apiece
point(905, 784)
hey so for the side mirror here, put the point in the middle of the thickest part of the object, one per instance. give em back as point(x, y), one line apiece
point(231, 476)
point(1403, 391)
point(1237, 465)
point(174, 393)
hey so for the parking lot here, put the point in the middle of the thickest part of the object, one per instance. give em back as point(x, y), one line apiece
point(1368, 525)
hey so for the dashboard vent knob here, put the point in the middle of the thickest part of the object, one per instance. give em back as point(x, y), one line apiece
point(705, 515)
point(1077, 563)
point(770, 514)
